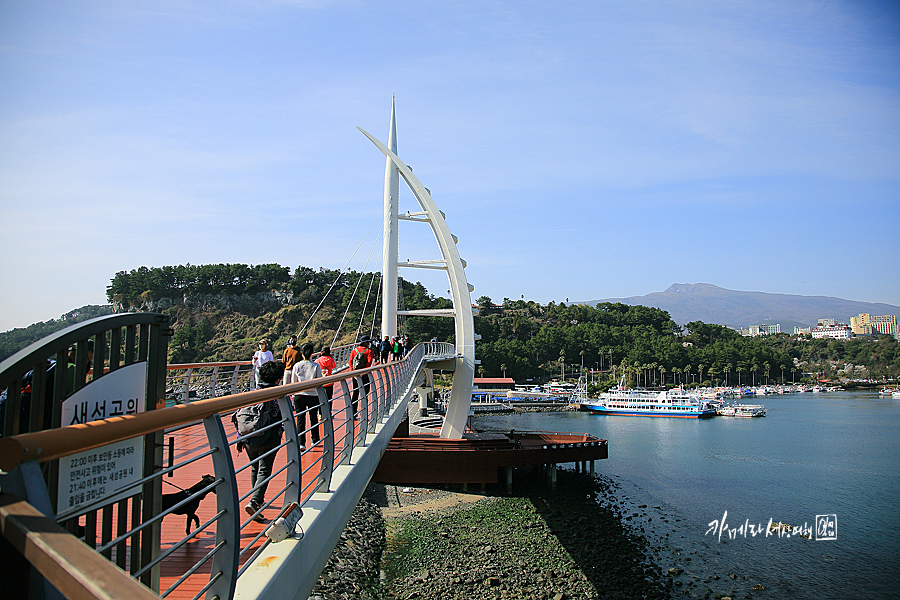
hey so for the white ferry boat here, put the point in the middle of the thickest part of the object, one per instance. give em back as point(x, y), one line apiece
point(743, 410)
point(647, 403)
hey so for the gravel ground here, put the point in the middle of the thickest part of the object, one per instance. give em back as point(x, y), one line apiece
point(436, 544)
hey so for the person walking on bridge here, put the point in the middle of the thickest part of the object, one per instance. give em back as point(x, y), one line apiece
point(360, 358)
point(385, 350)
point(260, 357)
point(306, 402)
point(289, 357)
point(327, 364)
point(259, 446)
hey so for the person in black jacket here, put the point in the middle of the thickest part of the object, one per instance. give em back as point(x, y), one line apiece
point(384, 350)
point(270, 374)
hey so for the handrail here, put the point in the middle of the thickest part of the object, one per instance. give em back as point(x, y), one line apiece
point(188, 382)
point(230, 363)
point(72, 567)
point(48, 445)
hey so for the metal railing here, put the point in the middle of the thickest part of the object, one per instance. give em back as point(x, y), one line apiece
point(305, 472)
point(54, 382)
point(195, 381)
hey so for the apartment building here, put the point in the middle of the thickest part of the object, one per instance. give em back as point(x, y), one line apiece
point(866, 324)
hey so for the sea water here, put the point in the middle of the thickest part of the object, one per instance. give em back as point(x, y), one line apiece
point(826, 464)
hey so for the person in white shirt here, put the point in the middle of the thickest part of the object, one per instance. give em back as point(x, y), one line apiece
point(260, 357)
point(306, 402)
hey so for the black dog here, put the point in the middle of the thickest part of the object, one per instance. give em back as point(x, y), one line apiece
point(189, 509)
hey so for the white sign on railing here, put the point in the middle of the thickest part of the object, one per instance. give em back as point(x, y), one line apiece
point(102, 472)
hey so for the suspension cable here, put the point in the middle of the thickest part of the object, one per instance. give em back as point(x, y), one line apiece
point(401, 303)
point(358, 281)
point(340, 274)
point(362, 315)
point(375, 311)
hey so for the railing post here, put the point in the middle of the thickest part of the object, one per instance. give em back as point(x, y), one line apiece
point(294, 472)
point(187, 386)
point(327, 440)
point(386, 396)
point(237, 369)
point(212, 382)
point(389, 391)
point(224, 568)
point(349, 425)
point(363, 411)
point(378, 396)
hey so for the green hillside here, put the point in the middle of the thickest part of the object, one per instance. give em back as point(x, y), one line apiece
point(221, 311)
point(15, 339)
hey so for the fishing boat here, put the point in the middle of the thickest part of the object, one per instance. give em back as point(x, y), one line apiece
point(621, 401)
point(743, 410)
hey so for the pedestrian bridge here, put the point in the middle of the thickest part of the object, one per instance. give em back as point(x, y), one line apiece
point(104, 460)
point(85, 504)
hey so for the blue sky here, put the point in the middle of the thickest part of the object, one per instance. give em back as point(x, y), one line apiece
point(580, 150)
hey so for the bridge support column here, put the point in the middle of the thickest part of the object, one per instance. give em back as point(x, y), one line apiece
point(460, 399)
point(423, 393)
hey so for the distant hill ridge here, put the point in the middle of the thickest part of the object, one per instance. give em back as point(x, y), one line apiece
point(687, 302)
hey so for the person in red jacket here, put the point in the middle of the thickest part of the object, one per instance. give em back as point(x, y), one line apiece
point(360, 358)
point(326, 362)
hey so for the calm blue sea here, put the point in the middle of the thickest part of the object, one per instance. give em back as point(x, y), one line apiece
point(835, 453)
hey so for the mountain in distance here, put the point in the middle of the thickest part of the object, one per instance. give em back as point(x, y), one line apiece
point(687, 302)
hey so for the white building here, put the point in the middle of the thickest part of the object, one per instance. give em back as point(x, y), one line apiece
point(762, 330)
point(838, 331)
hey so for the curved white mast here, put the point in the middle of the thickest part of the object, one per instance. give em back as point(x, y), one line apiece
point(464, 371)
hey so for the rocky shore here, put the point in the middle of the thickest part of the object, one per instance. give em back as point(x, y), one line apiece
point(419, 543)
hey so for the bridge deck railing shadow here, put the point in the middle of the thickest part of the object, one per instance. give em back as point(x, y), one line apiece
point(123, 524)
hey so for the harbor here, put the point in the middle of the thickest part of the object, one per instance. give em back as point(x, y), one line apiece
point(681, 479)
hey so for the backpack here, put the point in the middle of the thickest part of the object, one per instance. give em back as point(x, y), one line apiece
point(359, 360)
point(253, 418)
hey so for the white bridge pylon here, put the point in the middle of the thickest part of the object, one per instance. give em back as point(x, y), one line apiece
point(464, 371)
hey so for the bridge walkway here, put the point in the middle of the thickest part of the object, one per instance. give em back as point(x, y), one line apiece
point(103, 481)
point(190, 442)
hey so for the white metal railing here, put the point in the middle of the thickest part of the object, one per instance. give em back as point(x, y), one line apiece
point(196, 381)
